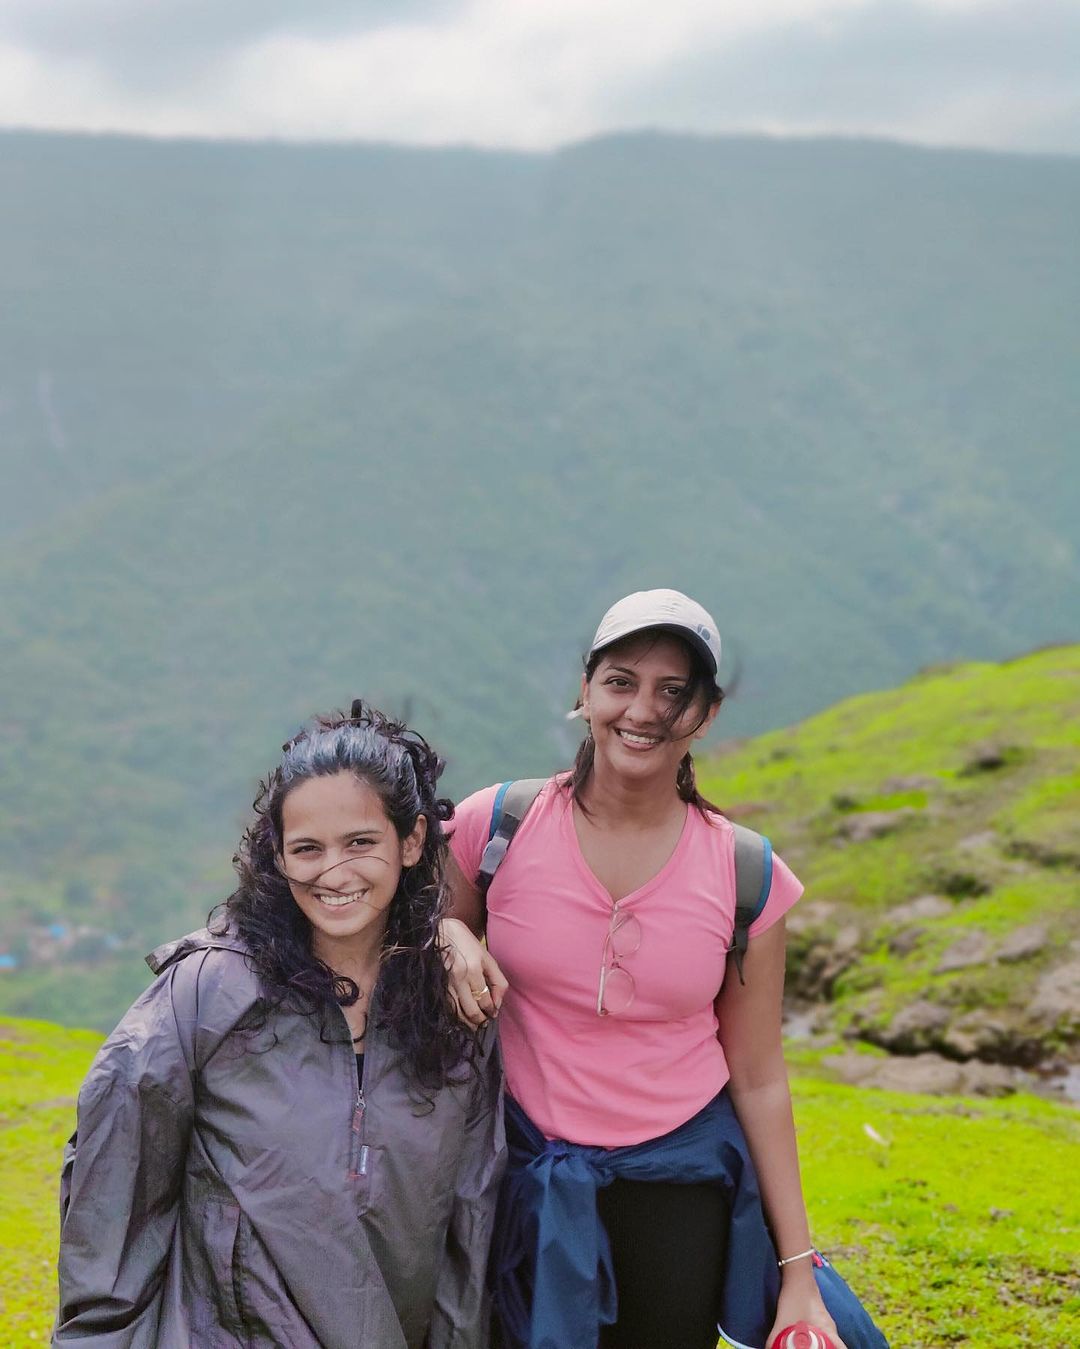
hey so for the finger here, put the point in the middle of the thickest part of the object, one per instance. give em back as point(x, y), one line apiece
point(468, 984)
point(484, 999)
point(495, 979)
point(473, 1017)
point(468, 977)
point(467, 981)
point(471, 1011)
point(483, 994)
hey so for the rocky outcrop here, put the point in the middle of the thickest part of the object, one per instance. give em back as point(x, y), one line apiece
point(990, 757)
point(812, 976)
point(1023, 943)
point(921, 909)
point(928, 1073)
point(988, 1035)
point(863, 825)
point(1045, 853)
point(914, 1028)
point(910, 782)
point(1056, 1004)
point(973, 948)
point(992, 1036)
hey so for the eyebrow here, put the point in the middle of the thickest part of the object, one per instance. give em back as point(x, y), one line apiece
point(370, 829)
point(664, 679)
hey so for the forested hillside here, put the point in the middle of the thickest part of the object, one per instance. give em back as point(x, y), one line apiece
point(283, 425)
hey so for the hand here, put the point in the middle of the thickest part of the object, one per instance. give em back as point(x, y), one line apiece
point(803, 1304)
point(477, 985)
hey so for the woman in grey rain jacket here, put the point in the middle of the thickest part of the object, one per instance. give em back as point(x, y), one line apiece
point(290, 1139)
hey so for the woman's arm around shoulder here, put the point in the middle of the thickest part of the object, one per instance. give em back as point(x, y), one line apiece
point(476, 982)
point(750, 1017)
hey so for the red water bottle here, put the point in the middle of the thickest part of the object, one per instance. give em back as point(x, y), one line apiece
point(802, 1336)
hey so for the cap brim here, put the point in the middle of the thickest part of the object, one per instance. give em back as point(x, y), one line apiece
point(688, 635)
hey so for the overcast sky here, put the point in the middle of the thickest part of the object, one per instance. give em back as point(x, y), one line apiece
point(538, 73)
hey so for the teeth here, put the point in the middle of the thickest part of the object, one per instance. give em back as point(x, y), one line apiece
point(640, 739)
point(338, 901)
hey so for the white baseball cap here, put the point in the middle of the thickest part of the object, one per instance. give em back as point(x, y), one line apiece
point(666, 610)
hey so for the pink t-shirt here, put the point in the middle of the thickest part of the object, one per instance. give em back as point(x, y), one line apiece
point(628, 1076)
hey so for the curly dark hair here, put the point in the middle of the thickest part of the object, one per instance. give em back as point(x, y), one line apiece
point(414, 1004)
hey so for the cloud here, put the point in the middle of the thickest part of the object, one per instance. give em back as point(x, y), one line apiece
point(145, 44)
point(537, 73)
point(1001, 74)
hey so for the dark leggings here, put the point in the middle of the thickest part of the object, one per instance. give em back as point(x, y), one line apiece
point(669, 1247)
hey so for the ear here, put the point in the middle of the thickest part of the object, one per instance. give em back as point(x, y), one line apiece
point(703, 730)
point(412, 847)
point(584, 696)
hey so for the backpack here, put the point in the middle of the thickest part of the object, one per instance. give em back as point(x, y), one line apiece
point(753, 858)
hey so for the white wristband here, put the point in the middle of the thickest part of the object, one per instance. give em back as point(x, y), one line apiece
point(792, 1258)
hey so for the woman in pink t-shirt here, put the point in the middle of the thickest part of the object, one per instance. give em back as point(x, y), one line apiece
point(608, 926)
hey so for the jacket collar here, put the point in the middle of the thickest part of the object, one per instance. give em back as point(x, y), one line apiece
point(168, 953)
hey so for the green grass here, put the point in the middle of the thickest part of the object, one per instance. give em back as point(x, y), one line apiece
point(957, 1229)
point(1000, 843)
point(954, 1230)
point(41, 1067)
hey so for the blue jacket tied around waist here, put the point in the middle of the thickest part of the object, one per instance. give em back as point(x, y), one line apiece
point(553, 1280)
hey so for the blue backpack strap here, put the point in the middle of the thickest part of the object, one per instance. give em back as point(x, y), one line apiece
point(753, 881)
point(511, 805)
point(496, 808)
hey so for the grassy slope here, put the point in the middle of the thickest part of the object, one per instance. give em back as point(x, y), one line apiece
point(911, 1221)
point(956, 1229)
point(1009, 833)
point(40, 1070)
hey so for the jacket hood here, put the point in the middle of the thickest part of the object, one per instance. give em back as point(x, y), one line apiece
point(168, 953)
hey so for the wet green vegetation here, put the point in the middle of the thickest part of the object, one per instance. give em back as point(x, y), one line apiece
point(934, 826)
point(949, 1216)
point(41, 1067)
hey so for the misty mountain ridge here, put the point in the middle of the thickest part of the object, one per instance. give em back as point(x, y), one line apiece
point(289, 424)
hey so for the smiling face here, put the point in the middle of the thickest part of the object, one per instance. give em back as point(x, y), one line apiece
point(342, 858)
point(629, 703)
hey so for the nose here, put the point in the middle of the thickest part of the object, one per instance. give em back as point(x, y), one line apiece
point(642, 709)
point(333, 875)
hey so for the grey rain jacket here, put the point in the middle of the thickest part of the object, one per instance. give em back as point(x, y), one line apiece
point(224, 1192)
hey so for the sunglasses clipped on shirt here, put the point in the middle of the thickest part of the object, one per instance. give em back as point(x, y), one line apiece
point(616, 990)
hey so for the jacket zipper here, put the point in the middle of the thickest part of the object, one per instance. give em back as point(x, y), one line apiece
point(359, 1152)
